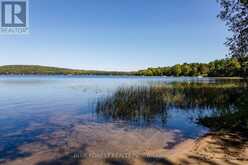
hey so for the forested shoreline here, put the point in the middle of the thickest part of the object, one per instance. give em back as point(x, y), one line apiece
point(230, 67)
point(46, 70)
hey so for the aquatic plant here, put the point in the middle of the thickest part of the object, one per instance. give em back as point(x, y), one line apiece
point(228, 103)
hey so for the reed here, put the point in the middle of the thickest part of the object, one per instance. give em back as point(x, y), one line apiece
point(228, 103)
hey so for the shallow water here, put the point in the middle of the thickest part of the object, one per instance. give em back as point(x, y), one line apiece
point(49, 110)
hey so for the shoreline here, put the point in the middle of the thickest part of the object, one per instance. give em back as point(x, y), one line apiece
point(213, 148)
point(109, 75)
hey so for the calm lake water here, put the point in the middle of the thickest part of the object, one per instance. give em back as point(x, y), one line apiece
point(34, 107)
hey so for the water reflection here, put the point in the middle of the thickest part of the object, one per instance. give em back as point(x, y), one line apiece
point(50, 114)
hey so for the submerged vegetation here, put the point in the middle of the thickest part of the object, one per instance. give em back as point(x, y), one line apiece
point(220, 106)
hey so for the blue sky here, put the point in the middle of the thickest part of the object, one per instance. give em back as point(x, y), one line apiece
point(118, 34)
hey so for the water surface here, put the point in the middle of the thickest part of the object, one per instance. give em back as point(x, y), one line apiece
point(49, 110)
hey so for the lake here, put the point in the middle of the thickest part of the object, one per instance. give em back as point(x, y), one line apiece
point(43, 117)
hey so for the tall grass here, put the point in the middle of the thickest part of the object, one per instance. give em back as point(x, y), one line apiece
point(228, 102)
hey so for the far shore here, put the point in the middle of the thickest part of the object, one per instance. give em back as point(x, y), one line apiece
point(121, 75)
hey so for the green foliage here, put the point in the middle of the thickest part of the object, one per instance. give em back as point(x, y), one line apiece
point(227, 101)
point(44, 70)
point(235, 14)
point(219, 68)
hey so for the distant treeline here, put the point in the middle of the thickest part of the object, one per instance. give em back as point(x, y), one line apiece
point(231, 67)
point(219, 68)
point(44, 70)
